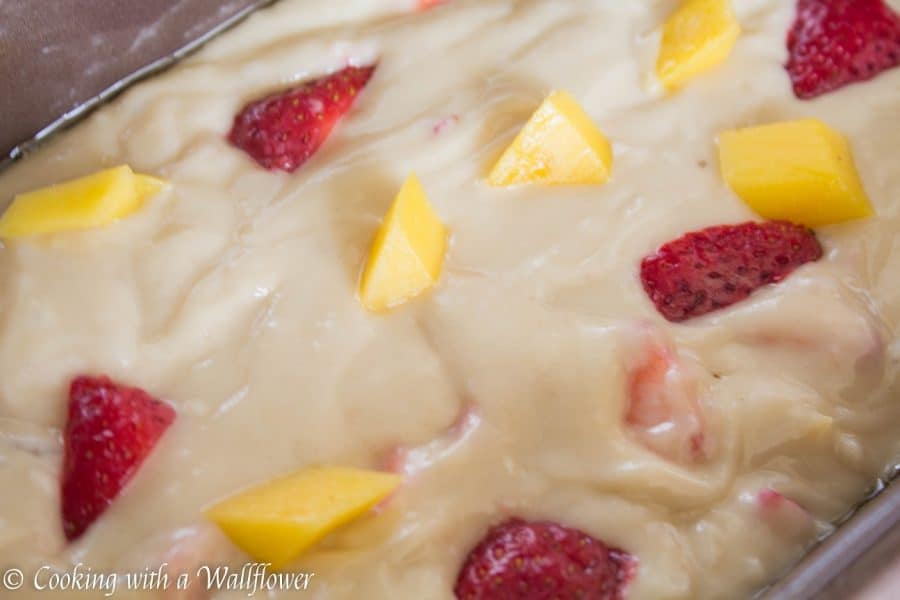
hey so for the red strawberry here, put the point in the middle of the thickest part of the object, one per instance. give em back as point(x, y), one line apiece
point(834, 43)
point(714, 268)
point(426, 4)
point(284, 130)
point(110, 431)
point(543, 561)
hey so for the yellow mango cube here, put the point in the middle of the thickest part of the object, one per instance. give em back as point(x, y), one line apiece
point(407, 255)
point(698, 37)
point(277, 521)
point(92, 201)
point(559, 145)
point(799, 171)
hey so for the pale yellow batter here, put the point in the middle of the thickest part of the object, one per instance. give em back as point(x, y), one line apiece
point(232, 296)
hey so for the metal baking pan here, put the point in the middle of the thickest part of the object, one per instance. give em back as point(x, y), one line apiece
point(59, 60)
point(53, 73)
point(861, 559)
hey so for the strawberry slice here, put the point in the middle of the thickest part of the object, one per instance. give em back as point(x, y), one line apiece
point(282, 131)
point(519, 560)
point(834, 43)
point(714, 268)
point(783, 515)
point(663, 410)
point(110, 431)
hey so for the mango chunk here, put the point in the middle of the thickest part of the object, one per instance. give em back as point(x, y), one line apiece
point(559, 145)
point(92, 201)
point(799, 171)
point(407, 255)
point(277, 521)
point(698, 37)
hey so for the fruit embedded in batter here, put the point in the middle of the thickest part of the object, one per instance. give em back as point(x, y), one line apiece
point(518, 560)
point(407, 256)
point(784, 515)
point(277, 521)
point(834, 43)
point(584, 416)
point(282, 131)
point(798, 171)
point(698, 37)
point(711, 269)
point(91, 201)
point(560, 144)
point(410, 461)
point(445, 124)
point(110, 431)
point(662, 407)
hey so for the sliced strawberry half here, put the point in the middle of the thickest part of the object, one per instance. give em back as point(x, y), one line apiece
point(111, 429)
point(282, 131)
point(520, 560)
point(714, 268)
point(834, 43)
point(663, 409)
point(783, 515)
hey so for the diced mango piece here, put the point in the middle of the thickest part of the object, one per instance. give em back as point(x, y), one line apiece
point(277, 521)
point(91, 201)
point(698, 37)
point(799, 171)
point(408, 252)
point(559, 145)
